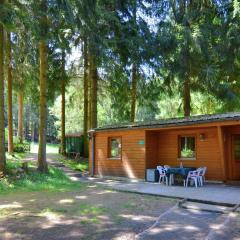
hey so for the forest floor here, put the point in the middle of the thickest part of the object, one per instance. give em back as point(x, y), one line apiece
point(93, 213)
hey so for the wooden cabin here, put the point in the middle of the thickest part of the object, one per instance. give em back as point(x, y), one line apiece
point(207, 140)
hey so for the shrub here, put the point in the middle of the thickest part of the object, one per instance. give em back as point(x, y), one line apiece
point(21, 147)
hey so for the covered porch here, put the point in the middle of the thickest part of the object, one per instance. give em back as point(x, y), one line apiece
point(214, 147)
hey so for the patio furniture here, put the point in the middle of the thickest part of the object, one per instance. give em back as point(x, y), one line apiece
point(171, 176)
point(201, 175)
point(182, 171)
point(195, 176)
point(162, 174)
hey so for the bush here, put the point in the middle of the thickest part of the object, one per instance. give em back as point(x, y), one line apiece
point(21, 147)
point(18, 147)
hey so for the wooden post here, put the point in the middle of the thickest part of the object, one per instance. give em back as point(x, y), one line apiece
point(221, 150)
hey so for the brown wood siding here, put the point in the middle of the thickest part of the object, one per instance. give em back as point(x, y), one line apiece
point(151, 149)
point(132, 163)
point(232, 166)
point(161, 147)
point(207, 151)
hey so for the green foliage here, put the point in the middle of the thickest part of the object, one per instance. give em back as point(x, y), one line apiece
point(54, 180)
point(75, 164)
point(21, 147)
point(169, 41)
point(187, 153)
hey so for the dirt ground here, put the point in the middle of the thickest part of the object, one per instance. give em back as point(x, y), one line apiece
point(94, 213)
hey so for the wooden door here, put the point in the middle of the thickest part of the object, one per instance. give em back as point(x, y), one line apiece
point(235, 157)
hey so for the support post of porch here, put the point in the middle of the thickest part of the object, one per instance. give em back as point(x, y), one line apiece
point(221, 149)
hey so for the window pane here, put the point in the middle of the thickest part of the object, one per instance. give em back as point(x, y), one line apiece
point(115, 150)
point(237, 147)
point(187, 148)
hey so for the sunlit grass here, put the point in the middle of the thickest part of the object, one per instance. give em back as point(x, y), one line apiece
point(74, 164)
point(50, 148)
point(54, 180)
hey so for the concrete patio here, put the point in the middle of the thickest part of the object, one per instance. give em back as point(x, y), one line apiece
point(215, 193)
point(209, 193)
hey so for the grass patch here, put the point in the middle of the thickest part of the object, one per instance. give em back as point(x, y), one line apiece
point(54, 180)
point(4, 213)
point(50, 148)
point(129, 205)
point(52, 212)
point(86, 209)
point(91, 213)
point(74, 164)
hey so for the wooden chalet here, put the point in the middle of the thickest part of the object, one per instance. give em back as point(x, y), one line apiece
point(207, 140)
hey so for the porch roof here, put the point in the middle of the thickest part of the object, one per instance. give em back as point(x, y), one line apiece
point(171, 122)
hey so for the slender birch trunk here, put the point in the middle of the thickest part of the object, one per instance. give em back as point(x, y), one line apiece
point(9, 80)
point(63, 144)
point(20, 116)
point(86, 96)
point(2, 146)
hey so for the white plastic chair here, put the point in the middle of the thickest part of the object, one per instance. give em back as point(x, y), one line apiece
point(162, 174)
point(171, 177)
point(166, 166)
point(192, 175)
point(201, 177)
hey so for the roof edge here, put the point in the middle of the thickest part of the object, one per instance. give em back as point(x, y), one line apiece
point(173, 122)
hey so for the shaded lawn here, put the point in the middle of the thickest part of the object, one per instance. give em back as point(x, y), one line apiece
point(15, 180)
point(89, 213)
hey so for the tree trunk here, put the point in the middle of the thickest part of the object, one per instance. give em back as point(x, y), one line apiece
point(32, 131)
point(133, 92)
point(9, 79)
point(89, 101)
point(63, 144)
point(94, 86)
point(26, 122)
point(20, 116)
point(186, 98)
point(134, 73)
point(42, 162)
point(85, 77)
point(2, 146)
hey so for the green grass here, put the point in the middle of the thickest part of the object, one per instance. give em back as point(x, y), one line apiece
point(51, 148)
point(74, 164)
point(54, 180)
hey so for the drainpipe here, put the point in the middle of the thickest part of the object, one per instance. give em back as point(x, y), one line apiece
point(92, 137)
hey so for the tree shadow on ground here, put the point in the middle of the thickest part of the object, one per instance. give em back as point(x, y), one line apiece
point(97, 213)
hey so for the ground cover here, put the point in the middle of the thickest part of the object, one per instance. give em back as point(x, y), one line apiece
point(74, 164)
point(89, 213)
point(18, 180)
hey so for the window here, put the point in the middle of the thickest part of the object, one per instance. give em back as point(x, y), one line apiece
point(187, 147)
point(236, 149)
point(115, 148)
